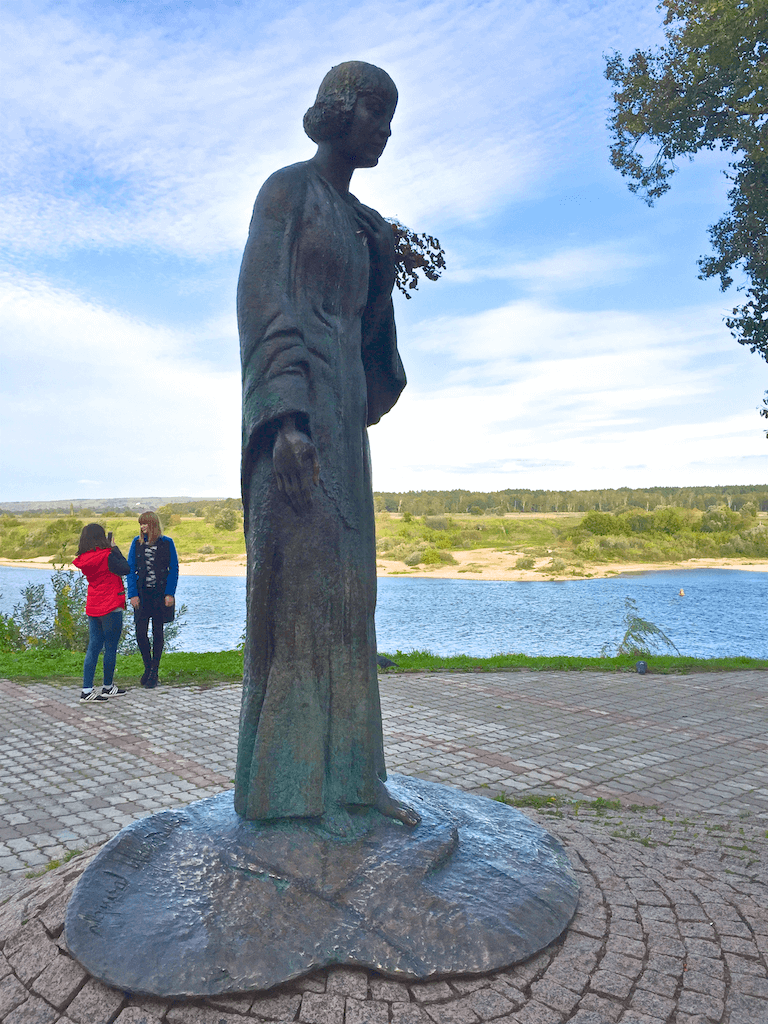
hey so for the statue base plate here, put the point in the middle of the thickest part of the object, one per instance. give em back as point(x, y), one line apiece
point(197, 901)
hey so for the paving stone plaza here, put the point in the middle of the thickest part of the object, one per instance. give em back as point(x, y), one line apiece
point(659, 792)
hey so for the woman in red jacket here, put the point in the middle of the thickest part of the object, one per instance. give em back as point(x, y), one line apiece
point(102, 564)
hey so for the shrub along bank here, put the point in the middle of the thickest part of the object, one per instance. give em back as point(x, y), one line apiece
point(573, 541)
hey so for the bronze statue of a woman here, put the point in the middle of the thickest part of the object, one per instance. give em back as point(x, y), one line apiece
point(320, 364)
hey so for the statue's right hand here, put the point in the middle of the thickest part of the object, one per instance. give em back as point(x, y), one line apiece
point(297, 468)
point(381, 251)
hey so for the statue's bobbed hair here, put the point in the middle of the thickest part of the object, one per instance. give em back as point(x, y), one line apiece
point(330, 117)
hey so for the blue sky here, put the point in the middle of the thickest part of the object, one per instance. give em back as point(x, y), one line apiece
point(569, 344)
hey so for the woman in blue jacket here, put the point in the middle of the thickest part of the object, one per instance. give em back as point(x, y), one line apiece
point(151, 589)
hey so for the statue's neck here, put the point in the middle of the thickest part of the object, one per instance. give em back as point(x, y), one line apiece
point(333, 166)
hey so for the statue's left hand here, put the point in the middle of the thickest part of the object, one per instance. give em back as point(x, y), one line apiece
point(381, 248)
point(297, 468)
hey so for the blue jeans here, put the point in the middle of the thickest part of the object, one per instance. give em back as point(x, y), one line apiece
point(103, 631)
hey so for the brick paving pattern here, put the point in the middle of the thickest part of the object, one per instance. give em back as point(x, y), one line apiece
point(672, 923)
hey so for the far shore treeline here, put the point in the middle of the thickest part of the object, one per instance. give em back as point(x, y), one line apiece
point(607, 500)
point(420, 503)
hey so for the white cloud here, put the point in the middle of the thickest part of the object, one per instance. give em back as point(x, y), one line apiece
point(613, 346)
point(92, 396)
point(527, 395)
point(566, 269)
point(530, 396)
point(133, 135)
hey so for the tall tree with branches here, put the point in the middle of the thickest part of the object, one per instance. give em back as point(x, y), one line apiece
point(706, 88)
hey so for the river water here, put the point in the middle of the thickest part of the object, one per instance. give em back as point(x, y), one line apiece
point(722, 614)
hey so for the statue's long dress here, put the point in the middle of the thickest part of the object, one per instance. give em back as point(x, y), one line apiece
point(310, 723)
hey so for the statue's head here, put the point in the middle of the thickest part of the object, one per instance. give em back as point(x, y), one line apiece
point(331, 115)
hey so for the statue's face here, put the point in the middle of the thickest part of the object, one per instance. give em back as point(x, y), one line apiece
point(370, 129)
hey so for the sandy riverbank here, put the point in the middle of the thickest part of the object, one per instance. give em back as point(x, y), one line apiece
point(482, 564)
point(489, 564)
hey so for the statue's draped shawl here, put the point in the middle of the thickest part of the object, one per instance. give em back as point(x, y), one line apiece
point(311, 347)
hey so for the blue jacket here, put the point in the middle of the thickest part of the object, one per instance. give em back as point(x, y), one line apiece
point(170, 570)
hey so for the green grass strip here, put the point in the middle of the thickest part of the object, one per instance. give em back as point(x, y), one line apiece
point(176, 668)
point(425, 661)
point(183, 668)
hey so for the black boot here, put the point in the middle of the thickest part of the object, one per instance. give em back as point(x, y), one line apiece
point(146, 656)
point(152, 681)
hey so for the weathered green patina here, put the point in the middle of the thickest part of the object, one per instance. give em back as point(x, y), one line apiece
point(320, 364)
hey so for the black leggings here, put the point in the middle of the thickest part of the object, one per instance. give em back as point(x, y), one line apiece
point(150, 610)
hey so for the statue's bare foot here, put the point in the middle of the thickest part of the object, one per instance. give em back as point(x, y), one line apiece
point(391, 808)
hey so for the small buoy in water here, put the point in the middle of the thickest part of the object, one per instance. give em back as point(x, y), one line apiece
point(682, 592)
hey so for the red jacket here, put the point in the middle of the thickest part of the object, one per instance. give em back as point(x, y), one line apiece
point(105, 589)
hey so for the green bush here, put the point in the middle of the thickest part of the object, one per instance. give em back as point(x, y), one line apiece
point(70, 623)
point(10, 635)
point(525, 562)
point(434, 556)
point(674, 520)
point(36, 624)
point(616, 543)
point(719, 519)
point(436, 522)
point(33, 616)
point(227, 519)
point(62, 625)
point(556, 565)
point(641, 637)
point(602, 524)
point(431, 557)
